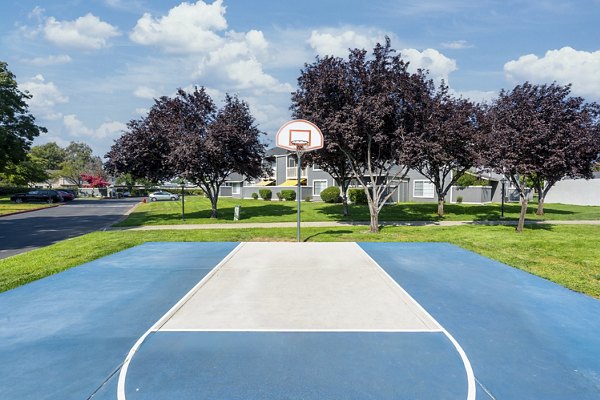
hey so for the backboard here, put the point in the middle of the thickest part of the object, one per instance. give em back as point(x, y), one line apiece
point(299, 133)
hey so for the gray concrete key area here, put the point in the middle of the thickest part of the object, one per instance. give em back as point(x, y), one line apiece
point(300, 286)
point(23, 232)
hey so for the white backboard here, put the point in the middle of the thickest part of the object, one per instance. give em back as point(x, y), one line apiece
point(299, 131)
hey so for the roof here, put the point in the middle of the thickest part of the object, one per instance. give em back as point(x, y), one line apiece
point(276, 151)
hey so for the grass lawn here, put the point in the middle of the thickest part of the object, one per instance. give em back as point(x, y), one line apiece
point(568, 255)
point(197, 211)
point(8, 207)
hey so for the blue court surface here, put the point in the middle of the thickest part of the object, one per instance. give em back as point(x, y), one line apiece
point(327, 321)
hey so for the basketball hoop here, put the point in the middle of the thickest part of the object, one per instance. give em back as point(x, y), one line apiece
point(299, 136)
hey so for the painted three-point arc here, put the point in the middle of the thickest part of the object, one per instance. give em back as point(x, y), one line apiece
point(299, 136)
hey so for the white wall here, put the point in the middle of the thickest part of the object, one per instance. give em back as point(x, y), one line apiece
point(575, 191)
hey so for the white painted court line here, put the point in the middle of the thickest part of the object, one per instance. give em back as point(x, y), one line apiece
point(471, 388)
point(163, 319)
point(309, 330)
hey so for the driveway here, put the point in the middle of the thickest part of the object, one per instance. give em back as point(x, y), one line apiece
point(23, 232)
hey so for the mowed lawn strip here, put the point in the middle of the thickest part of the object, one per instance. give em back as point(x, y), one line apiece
point(9, 207)
point(568, 255)
point(197, 211)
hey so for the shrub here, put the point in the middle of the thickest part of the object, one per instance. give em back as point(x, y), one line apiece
point(308, 199)
point(255, 196)
point(331, 195)
point(459, 200)
point(289, 195)
point(265, 194)
point(357, 196)
point(9, 190)
point(278, 194)
point(470, 180)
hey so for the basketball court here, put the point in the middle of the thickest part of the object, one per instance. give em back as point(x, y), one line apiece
point(297, 321)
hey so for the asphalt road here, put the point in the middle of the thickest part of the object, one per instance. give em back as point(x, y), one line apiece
point(23, 232)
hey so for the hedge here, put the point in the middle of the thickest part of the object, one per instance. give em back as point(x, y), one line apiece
point(357, 196)
point(288, 194)
point(331, 195)
point(265, 194)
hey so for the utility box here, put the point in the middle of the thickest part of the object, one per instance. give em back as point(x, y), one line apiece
point(236, 212)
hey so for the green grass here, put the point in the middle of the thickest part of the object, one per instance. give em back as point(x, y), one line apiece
point(8, 207)
point(567, 255)
point(197, 211)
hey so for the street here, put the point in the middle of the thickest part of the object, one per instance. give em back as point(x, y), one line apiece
point(23, 232)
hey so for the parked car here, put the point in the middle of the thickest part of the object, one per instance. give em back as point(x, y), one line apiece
point(67, 196)
point(73, 192)
point(163, 196)
point(47, 196)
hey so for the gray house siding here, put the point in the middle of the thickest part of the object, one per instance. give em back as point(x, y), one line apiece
point(576, 191)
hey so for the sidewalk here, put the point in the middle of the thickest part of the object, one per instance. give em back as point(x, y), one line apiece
point(329, 224)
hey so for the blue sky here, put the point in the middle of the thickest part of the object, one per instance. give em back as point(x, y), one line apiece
point(94, 65)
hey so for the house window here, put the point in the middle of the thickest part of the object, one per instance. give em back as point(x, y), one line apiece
point(423, 189)
point(235, 187)
point(319, 186)
point(316, 168)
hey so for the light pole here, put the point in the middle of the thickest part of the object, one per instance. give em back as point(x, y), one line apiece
point(503, 182)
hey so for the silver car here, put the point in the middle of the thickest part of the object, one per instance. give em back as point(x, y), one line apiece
point(163, 196)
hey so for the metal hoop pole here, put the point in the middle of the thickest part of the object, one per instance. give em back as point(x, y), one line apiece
point(298, 156)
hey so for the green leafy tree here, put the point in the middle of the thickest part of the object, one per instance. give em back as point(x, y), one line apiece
point(51, 155)
point(24, 173)
point(17, 125)
point(79, 160)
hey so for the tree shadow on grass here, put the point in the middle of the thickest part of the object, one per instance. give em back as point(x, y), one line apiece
point(330, 232)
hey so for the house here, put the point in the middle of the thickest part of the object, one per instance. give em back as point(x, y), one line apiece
point(414, 187)
point(583, 192)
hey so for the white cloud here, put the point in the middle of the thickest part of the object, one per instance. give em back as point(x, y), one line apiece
point(336, 42)
point(564, 66)
point(457, 45)
point(187, 28)
point(45, 96)
point(144, 92)
point(87, 32)
point(77, 128)
point(48, 60)
point(438, 65)
point(142, 111)
point(249, 74)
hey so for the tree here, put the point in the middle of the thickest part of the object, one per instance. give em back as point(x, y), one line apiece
point(50, 154)
point(128, 180)
point(320, 99)
point(541, 134)
point(79, 160)
point(379, 97)
point(24, 173)
point(186, 136)
point(94, 181)
point(207, 154)
point(444, 143)
point(17, 125)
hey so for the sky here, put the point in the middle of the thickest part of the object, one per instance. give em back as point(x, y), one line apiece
point(93, 65)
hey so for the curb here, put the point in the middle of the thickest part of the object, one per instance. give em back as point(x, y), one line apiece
point(109, 227)
point(31, 210)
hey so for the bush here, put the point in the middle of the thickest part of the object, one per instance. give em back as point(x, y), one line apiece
point(9, 190)
point(331, 195)
point(265, 194)
point(357, 196)
point(459, 200)
point(255, 196)
point(289, 195)
point(470, 180)
point(278, 194)
point(308, 199)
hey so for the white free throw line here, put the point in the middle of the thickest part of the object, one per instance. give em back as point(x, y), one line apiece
point(471, 389)
point(164, 319)
point(349, 330)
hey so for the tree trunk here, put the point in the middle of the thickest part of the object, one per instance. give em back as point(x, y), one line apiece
point(521, 224)
point(213, 212)
point(345, 205)
point(440, 210)
point(540, 207)
point(374, 227)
